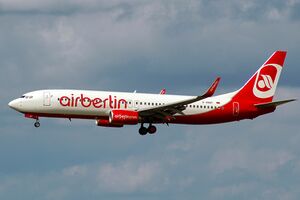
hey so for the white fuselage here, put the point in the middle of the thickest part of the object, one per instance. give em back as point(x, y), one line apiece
point(94, 104)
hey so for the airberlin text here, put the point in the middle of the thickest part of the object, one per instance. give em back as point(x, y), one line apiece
point(85, 101)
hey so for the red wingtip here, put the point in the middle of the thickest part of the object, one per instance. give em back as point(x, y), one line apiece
point(163, 91)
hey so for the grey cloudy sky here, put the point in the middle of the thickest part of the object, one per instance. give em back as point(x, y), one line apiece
point(145, 46)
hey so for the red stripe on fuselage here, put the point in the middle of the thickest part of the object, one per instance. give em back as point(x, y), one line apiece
point(220, 115)
point(67, 116)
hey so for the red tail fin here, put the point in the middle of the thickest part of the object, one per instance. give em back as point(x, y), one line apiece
point(262, 85)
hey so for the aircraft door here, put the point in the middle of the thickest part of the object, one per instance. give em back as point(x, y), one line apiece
point(236, 109)
point(47, 99)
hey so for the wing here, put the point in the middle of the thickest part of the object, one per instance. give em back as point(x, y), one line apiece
point(160, 113)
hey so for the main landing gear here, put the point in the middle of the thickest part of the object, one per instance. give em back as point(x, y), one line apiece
point(143, 130)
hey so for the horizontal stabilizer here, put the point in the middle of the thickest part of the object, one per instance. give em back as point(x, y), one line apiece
point(273, 104)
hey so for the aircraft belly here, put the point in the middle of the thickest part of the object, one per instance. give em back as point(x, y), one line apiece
point(76, 111)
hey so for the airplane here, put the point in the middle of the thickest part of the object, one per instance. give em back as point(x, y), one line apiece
point(116, 109)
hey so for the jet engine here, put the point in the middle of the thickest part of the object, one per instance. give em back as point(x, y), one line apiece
point(125, 117)
point(106, 123)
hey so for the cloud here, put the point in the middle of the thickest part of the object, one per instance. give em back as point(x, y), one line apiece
point(264, 162)
point(245, 10)
point(129, 176)
point(223, 161)
point(97, 48)
point(232, 191)
point(76, 170)
point(125, 177)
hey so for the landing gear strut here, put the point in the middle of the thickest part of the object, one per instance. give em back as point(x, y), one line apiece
point(37, 124)
point(143, 130)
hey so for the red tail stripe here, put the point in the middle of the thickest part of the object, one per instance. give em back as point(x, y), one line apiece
point(277, 58)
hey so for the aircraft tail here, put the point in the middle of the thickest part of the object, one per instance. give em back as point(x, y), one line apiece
point(261, 87)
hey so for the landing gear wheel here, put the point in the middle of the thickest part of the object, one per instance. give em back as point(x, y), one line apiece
point(143, 130)
point(37, 124)
point(151, 129)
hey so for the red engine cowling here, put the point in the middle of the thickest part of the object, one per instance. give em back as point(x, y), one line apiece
point(106, 123)
point(126, 117)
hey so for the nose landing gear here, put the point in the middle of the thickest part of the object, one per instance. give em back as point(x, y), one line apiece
point(37, 123)
point(143, 130)
point(36, 117)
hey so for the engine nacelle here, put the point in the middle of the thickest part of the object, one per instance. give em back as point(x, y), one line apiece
point(106, 123)
point(126, 117)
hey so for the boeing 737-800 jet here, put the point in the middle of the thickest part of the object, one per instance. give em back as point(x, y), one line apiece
point(116, 109)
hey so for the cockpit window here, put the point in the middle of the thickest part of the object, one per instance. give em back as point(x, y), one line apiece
point(26, 97)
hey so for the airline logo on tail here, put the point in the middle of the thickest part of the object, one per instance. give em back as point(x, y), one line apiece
point(266, 80)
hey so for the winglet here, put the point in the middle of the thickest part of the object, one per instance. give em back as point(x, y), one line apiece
point(212, 88)
point(163, 91)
